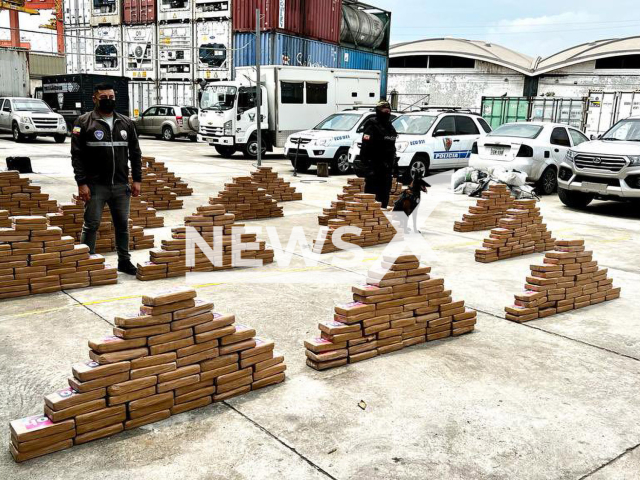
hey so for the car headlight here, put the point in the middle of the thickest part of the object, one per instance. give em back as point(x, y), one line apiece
point(26, 120)
point(571, 156)
point(61, 121)
point(634, 160)
point(228, 128)
point(322, 142)
point(401, 146)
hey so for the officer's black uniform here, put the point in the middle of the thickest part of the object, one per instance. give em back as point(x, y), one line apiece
point(378, 152)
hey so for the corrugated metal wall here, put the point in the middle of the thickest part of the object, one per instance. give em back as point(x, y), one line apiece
point(359, 60)
point(41, 65)
point(14, 73)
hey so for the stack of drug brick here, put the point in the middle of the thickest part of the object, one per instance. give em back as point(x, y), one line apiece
point(396, 190)
point(5, 221)
point(488, 210)
point(281, 191)
point(349, 191)
point(144, 216)
point(36, 258)
point(246, 201)
point(399, 306)
point(521, 232)
point(177, 185)
point(19, 197)
point(569, 278)
point(365, 213)
point(219, 230)
point(157, 193)
point(173, 356)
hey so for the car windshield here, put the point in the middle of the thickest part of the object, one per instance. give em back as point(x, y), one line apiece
point(626, 131)
point(218, 98)
point(30, 105)
point(339, 122)
point(518, 130)
point(414, 124)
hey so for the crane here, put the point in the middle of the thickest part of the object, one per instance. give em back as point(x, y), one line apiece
point(33, 7)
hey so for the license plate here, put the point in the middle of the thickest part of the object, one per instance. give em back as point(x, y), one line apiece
point(594, 187)
point(497, 151)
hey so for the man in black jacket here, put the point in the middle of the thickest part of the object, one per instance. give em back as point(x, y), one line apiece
point(102, 144)
point(378, 152)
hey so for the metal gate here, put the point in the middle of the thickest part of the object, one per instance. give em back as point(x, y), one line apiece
point(499, 110)
point(606, 108)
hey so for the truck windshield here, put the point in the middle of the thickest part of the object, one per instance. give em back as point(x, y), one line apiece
point(339, 122)
point(218, 98)
point(413, 124)
point(518, 130)
point(625, 131)
point(31, 105)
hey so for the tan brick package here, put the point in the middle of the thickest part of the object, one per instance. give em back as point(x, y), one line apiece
point(270, 182)
point(246, 201)
point(353, 186)
point(489, 209)
point(177, 185)
point(127, 384)
point(569, 278)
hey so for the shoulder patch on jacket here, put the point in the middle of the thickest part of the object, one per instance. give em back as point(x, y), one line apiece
point(77, 130)
point(366, 137)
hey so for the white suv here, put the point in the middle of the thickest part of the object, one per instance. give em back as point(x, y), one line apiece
point(28, 118)
point(433, 139)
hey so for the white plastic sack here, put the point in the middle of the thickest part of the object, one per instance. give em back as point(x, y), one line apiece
point(459, 177)
point(510, 177)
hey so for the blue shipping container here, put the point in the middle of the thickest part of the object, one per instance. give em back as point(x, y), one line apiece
point(359, 60)
point(279, 49)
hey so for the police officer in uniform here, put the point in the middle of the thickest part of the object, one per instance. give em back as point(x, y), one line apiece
point(103, 142)
point(378, 152)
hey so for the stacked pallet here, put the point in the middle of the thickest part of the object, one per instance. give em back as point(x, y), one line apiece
point(221, 233)
point(399, 306)
point(569, 278)
point(349, 191)
point(488, 210)
point(177, 185)
point(36, 258)
point(5, 221)
point(270, 182)
point(19, 197)
point(246, 201)
point(173, 356)
point(521, 232)
point(365, 213)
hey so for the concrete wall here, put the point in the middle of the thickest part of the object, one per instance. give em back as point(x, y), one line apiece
point(455, 87)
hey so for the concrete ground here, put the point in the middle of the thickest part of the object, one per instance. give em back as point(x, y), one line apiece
point(553, 399)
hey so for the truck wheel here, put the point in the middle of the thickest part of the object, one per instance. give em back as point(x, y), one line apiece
point(59, 138)
point(17, 135)
point(548, 183)
point(303, 165)
point(574, 199)
point(340, 163)
point(251, 148)
point(419, 165)
point(225, 152)
point(167, 133)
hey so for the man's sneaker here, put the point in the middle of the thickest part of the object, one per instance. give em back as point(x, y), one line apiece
point(127, 267)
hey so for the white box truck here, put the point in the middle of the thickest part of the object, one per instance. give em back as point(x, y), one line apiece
point(293, 99)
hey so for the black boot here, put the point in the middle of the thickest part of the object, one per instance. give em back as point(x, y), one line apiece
point(127, 267)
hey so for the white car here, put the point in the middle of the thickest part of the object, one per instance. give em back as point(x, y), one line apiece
point(535, 148)
point(329, 141)
point(28, 118)
point(433, 140)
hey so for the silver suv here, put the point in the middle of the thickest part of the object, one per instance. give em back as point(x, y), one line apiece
point(168, 122)
point(28, 118)
point(607, 168)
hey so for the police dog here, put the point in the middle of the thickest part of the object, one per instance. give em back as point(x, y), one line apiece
point(410, 200)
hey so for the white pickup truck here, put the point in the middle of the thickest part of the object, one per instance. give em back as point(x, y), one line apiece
point(28, 118)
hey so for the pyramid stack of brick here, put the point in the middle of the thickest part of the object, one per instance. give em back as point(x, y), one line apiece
point(36, 258)
point(246, 201)
point(349, 191)
point(488, 210)
point(173, 356)
point(270, 182)
point(399, 306)
point(219, 230)
point(20, 197)
point(520, 232)
point(568, 279)
point(177, 185)
point(365, 213)
point(157, 193)
point(143, 215)
point(5, 221)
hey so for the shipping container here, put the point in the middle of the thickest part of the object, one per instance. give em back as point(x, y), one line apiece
point(14, 73)
point(176, 93)
point(605, 109)
point(140, 50)
point(281, 15)
point(499, 110)
point(207, 9)
point(279, 49)
point(322, 20)
point(365, 28)
point(78, 46)
point(105, 12)
point(360, 60)
point(214, 50)
point(142, 95)
point(107, 50)
point(139, 12)
point(76, 13)
point(175, 11)
point(176, 51)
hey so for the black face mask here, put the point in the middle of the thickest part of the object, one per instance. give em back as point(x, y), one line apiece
point(107, 105)
point(383, 117)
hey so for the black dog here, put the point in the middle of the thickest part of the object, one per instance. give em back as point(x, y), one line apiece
point(410, 200)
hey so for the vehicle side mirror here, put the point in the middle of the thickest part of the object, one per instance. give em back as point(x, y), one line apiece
point(239, 117)
point(600, 137)
point(592, 137)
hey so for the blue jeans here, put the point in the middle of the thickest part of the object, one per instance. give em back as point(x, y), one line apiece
point(118, 197)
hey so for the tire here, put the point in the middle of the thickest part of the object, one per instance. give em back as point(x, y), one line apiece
point(340, 164)
point(193, 122)
point(18, 136)
point(250, 149)
point(194, 138)
point(418, 164)
point(60, 138)
point(167, 133)
point(573, 199)
point(303, 165)
point(548, 183)
point(225, 152)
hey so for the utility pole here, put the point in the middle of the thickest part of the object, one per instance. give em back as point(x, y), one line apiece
point(258, 87)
